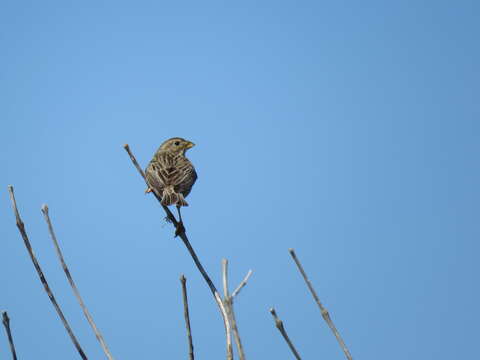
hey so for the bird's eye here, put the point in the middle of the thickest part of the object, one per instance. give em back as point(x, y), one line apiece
point(177, 143)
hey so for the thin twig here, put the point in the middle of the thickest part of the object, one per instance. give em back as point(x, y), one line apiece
point(233, 320)
point(186, 242)
point(186, 314)
point(6, 323)
point(72, 284)
point(323, 310)
point(170, 215)
point(227, 303)
point(21, 228)
point(225, 277)
point(281, 328)
point(242, 284)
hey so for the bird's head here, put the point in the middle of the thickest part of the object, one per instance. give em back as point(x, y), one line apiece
point(176, 145)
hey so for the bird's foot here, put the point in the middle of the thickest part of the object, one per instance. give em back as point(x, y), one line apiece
point(149, 190)
point(180, 229)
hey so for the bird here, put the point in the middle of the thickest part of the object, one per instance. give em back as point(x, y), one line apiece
point(170, 175)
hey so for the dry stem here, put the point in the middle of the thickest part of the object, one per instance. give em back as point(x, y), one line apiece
point(185, 240)
point(227, 304)
point(323, 310)
point(186, 314)
point(281, 328)
point(242, 284)
point(74, 287)
point(21, 228)
point(6, 323)
point(236, 334)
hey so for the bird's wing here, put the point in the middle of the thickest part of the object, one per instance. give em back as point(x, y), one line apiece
point(168, 169)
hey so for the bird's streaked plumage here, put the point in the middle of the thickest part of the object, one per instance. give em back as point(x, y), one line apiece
point(170, 174)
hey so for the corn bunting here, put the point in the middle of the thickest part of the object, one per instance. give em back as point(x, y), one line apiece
point(171, 175)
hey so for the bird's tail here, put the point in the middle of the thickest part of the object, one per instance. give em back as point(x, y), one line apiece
point(170, 197)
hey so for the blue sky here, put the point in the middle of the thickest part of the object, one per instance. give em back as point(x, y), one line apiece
point(346, 130)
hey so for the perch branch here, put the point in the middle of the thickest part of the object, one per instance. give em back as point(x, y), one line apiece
point(185, 240)
point(323, 310)
point(21, 229)
point(170, 215)
point(6, 323)
point(281, 328)
point(186, 314)
point(72, 284)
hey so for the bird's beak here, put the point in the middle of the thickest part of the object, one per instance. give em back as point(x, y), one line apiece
point(189, 145)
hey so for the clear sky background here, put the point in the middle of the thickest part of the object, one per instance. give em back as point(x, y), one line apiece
point(347, 130)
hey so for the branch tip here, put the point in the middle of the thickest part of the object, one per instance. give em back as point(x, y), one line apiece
point(281, 329)
point(242, 284)
point(323, 310)
point(6, 324)
point(5, 317)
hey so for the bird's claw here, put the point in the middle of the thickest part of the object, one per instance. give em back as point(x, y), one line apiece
point(149, 190)
point(180, 229)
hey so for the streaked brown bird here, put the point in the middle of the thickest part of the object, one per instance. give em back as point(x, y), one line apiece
point(171, 175)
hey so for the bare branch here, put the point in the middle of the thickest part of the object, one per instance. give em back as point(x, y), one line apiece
point(281, 328)
point(21, 228)
point(72, 284)
point(225, 277)
point(323, 310)
point(6, 323)
point(170, 215)
point(227, 303)
point(236, 334)
point(186, 314)
point(242, 284)
point(134, 160)
point(186, 242)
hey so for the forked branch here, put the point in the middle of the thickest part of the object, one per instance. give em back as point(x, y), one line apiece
point(228, 302)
